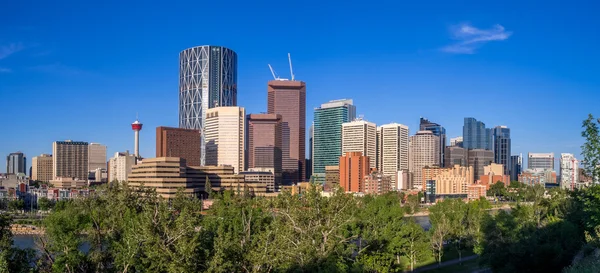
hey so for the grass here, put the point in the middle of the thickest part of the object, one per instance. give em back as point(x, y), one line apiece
point(465, 267)
point(449, 254)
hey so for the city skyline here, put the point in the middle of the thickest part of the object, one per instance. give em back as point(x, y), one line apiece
point(50, 62)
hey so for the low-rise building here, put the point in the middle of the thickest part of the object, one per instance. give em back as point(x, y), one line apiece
point(332, 177)
point(476, 191)
point(538, 176)
point(68, 182)
point(377, 183)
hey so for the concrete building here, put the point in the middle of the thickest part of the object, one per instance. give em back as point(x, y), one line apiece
point(70, 159)
point(120, 165)
point(429, 173)
point(224, 133)
point(456, 155)
point(378, 183)
point(97, 176)
point(540, 161)
point(332, 177)
point(516, 162)
point(178, 142)
point(392, 149)
point(437, 130)
point(328, 120)
point(288, 99)
point(456, 142)
point(360, 136)
point(476, 136)
point(96, 156)
point(403, 180)
point(68, 182)
point(569, 171)
point(502, 147)
point(478, 159)
point(16, 163)
point(354, 166)
point(493, 173)
point(166, 175)
point(455, 180)
point(423, 152)
point(207, 79)
point(261, 176)
point(42, 168)
point(264, 142)
point(538, 176)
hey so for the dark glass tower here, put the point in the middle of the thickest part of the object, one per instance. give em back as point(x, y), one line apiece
point(476, 136)
point(502, 146)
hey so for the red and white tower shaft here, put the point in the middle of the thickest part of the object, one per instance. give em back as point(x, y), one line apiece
point(136, 126)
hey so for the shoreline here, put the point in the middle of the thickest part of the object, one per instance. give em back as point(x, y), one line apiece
point(19, 229)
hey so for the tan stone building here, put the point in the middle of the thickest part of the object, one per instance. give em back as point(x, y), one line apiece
point(68, 183)
point(360, 136)
point(224, 134)
point(70, 159)
point(41, 168)
point(455, 180)
point(424, 152)
point(392, 150)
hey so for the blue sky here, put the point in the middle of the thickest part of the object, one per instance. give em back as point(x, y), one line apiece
point(81, 70)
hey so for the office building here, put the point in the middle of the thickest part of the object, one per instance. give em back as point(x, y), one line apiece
point(423, 152)
point(403, 180)
point(166, 175)
point(64, 182)
point(476, 136)
point(455, 180)
point(456, 142)
point(96, 156)
point(456, 155)
point(393, 149)
point(264, 142)
point(16, 163)
point(70, 159)
point(261, 176)
point(354, 166)
point(360, 136)
point(378, 183)
point(41, 168)
point(309, 160)
point(478, 159)
point(120, 165)
point(332, 177)
point(502, 147)
point(224, 133)
point(540, 161)
point(538, 176)
point(179, 142)
point(437, 130)
point(516, 162)
point(207, 79)
point(327, 140)
point(569, 171)
point(288, 99)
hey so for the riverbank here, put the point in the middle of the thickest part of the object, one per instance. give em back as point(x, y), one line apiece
point(19, 229)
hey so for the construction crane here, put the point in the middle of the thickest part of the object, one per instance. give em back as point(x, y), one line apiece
point(291, 70)
point(276, 77)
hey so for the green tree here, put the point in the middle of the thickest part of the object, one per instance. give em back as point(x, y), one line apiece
point(208, 188)
point(16, 204)
point(412, 242)
point(45, 204)
point(12, 259)
point(591, 148)
point(497, 189)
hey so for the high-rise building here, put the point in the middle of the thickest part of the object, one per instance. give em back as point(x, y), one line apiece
point(360, 136)
point(70, 159)
point(476, 136)
point(179, 142)
point(569, 171)
point(516, 165)
point(479, 158)
point(502, 147)
point(41, 168)
point(16, 163)
point(207, 79)
point(264, 143)
point(224, 133)
point(437, 130)
point(423, 152)
point(120, 165)
point(96, 156)
point(354, 166)
point(328, 120)
point(456, 155)
point(456, 142)
point(288, 99)
point(393, 149)
point(310, 159)
point(540, 161)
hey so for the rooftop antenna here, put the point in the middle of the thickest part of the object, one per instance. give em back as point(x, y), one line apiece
point(290, 61)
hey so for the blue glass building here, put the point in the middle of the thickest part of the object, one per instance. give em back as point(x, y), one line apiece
point(476, 136)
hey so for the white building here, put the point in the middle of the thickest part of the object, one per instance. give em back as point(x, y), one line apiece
point(119, 166)
point(96, 156)
point(224, 133)
point(392, 149)
point(569, 171)
point(540, 161)
point(423, 152)
point(360, 136)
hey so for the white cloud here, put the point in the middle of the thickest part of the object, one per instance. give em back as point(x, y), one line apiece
point(5, 70)
point(10, 49)
point(469, 38)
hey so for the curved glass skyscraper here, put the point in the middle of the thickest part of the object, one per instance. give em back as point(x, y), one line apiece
point(207, 79)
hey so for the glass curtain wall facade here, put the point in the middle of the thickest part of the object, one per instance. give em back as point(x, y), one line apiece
point(476, 136)
point(207, 79)
point(502, 146)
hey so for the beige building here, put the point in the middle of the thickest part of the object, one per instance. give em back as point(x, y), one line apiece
point(261, 176)
point(96, 156)
point(332, 177)
point(423, 152)
point(377, 183)
point(430, 173)
point(120, 165)
point(392, 149)
point(70, 159)
point(360, 136)
point(41, 168)
point(68, 183)
point(455, 180)
point(224, 133)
